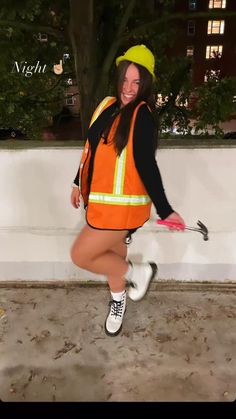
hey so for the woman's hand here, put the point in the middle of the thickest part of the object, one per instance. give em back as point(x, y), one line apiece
point(174, 217)
point(75, 197)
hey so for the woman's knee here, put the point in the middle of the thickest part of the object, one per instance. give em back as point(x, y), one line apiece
point(78, 256)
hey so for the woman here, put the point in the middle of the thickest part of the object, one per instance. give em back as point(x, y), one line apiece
point(118, 179)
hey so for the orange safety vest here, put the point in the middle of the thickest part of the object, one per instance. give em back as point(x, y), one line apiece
point(117, 199)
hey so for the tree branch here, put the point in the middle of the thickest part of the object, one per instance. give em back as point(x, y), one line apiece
point(126, 17)
point(32, 27)
point(28, 96)
point(115, 45)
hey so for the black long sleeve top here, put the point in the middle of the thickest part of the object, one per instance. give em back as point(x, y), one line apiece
point(144, 155)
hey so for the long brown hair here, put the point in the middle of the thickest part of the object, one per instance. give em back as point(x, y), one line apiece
point(144, 93)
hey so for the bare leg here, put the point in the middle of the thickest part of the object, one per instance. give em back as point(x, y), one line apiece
point(92, 250)
point(116, 283)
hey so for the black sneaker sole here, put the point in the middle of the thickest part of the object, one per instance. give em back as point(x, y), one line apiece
point(112, 334)
point(117, 332)
point(154, 271)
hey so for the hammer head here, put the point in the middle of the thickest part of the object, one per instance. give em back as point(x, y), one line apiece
point(203, 230)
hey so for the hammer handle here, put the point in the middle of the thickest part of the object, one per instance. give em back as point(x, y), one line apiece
point(171, 224)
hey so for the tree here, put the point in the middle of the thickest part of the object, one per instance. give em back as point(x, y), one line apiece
point(215, 103)
point(174, 89)
point(31, 92)
point(102, 30)
point(97, 31)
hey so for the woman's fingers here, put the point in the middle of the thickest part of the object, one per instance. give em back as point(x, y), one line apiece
point(75, 197)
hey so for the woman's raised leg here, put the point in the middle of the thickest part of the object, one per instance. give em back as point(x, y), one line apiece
point(92, 250)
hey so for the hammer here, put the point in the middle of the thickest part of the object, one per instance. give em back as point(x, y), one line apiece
point(202, 228)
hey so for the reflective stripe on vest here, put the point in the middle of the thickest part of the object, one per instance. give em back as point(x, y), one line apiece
point(102, 198)
point(99, 109)
point(117, 197)
point(119, 173)
point(95, 115)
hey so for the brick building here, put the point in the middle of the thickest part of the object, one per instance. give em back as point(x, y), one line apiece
point(205, 38)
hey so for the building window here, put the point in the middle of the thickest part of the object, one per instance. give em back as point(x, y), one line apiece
point(217, 4)
point(69, 81)
point(212, 75)
point(42, 37)
point(66, 56)
point(214, 51)
point(70, 100)
point(189, 51)
point(191, 27)
point(161, 100)
point(192, 4)
point(216, 27)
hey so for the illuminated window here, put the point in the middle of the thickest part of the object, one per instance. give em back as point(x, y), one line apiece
point(216, 26)
point(217, 4)
point(69, 81)
point(190, 51)
point(161, 100)
point(212, 75)
point(66, 56)
point(191, 27)
point(214, 51)
point(192, 4)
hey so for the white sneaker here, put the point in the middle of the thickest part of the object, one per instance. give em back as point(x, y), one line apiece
point(113, 323)
point(142, 276)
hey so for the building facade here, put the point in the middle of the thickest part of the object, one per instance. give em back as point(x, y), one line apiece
point(210, 41)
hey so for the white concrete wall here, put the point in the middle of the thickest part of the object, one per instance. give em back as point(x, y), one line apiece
point(38, 223)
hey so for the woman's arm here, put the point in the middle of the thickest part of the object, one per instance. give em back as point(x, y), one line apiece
point(145, 161)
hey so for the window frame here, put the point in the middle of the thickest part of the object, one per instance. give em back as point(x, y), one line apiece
point(221, 27)
point(191, 23)
point(213, 4)
point(192, 4)
point(210, 50)
point(70, 98)
point(190, 48)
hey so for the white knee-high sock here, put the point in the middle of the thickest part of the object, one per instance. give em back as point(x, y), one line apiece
point(117, 296)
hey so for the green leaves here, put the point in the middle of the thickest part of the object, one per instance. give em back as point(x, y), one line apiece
point(29, 103)
point(215, 103)
point(99, 31)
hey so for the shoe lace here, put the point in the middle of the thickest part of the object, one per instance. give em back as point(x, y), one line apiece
point(117, 307)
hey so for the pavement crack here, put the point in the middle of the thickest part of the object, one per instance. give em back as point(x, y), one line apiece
point(68, 346)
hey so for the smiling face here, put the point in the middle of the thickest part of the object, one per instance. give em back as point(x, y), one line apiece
point(130, 85)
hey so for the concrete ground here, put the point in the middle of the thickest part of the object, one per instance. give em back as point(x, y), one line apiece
point(177, 344)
